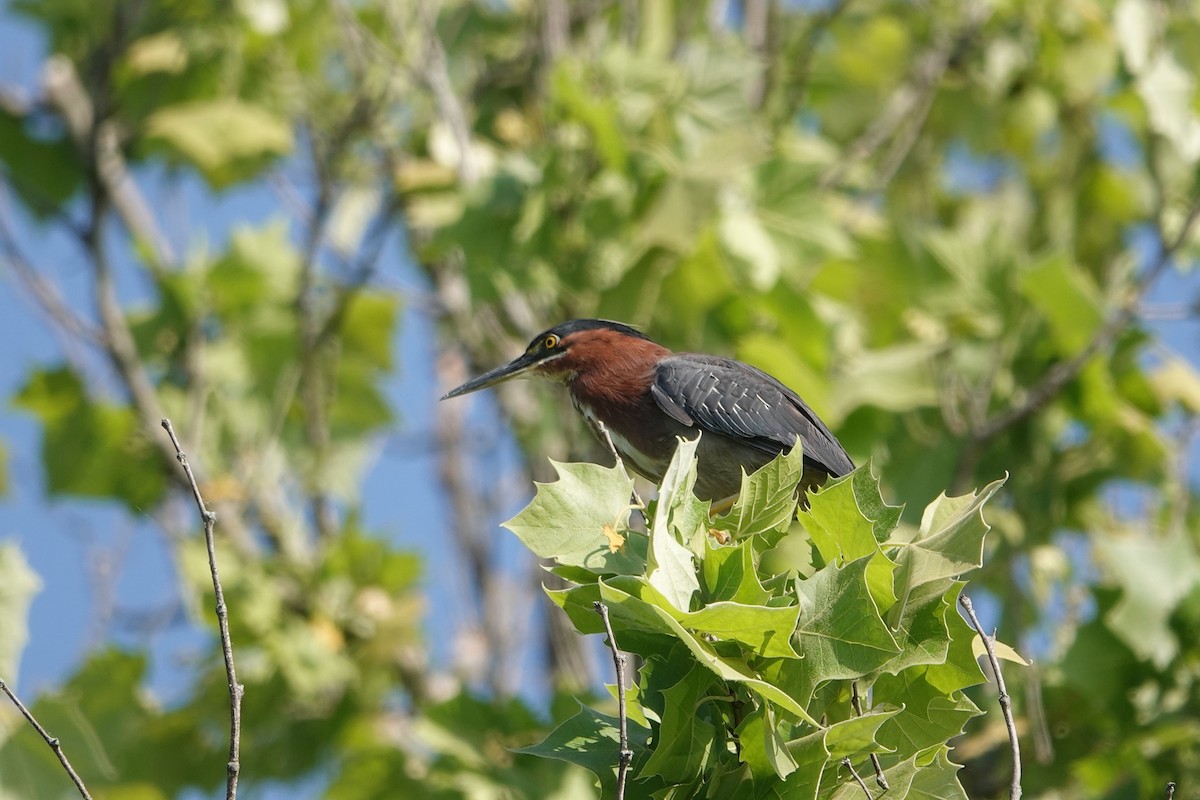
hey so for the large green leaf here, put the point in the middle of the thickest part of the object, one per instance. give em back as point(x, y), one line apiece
point(221, 136)
point(678, 514)
point(592, 740)
point(641, 615)
point(767, 500)
point(949, 542)
point(840, 633)
point(91, 449)
point(567, 520)
point(684, 740)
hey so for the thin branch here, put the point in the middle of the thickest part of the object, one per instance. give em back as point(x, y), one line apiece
point(236, 690)
point(44, 292)
point(435, 74)
point(856, 703)
point(53, 741)
point(625, 756)
point(1170, 790)
point(989, 642)
point(904, 115)
point(857, 778)
point(1062, 373)
point(99, 141)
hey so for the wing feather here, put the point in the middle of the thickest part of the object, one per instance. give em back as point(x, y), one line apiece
point(734, 399)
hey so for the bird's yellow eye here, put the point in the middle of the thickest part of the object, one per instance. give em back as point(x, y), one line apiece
point(550, 342)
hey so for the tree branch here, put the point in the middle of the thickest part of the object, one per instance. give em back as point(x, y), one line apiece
point(52, 741)
point(625, 755)
point(236, 690)
point(989, 642)
point(99, 141)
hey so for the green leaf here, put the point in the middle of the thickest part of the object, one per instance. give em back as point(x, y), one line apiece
point(669, 566)
point(856, 736)
point(729, 574)
point(91, 449)
point(810, 756)
point(367, 327)
point(593, 741)
point(948, 543)
point(840, 633)
point(220, 135)
point(645, 616)
point(1155, 573)
point(847, 520)
point(765, 631)
point(767, 500)
point(45, 171)
point(18, 586)
point(929, 716)
point(938, 780)
point(565, 520)
point(684, 740)
point(1066, 296)
point(762, 748)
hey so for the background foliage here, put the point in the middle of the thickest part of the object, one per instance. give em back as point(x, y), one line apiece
point(941, 222)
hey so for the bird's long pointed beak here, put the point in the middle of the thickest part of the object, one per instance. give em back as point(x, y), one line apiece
point(515, 368)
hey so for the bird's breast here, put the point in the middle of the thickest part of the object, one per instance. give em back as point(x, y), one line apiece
point(643, 462)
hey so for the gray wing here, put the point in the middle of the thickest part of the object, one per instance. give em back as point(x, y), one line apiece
point(740, 401)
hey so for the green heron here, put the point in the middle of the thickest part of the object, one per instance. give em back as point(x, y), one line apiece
point(638, 396)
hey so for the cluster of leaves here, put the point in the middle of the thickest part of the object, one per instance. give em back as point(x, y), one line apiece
point(912, 213)
point(754, 631)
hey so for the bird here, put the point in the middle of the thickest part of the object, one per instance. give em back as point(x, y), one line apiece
point(639, 398)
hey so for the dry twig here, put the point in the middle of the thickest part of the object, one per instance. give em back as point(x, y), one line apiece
point(989, 642)
point(857, 778)
point(856, 703)
point(236, 690)
point(625, 756)
point(53, 741)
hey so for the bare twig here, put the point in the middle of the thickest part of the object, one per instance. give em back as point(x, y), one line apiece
point(1170, 790)
point(625, 756)
point(989, 642)
point(856, 703)
point(53, 741)
point(857, 778)
point(236, 690)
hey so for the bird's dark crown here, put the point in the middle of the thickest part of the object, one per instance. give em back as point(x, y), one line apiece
point(565, 329)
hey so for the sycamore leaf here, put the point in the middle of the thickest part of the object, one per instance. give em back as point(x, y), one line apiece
point(566, 519)
point(840, 633)
point(810, 755)
point(762, 748)
point(938, 780)
point(592, 740)
point(216, 134)
point(669, 566)
point(767, 500)
point(856, 736)
point(684, 740)
point(729, 574)
point(642, 615)
point(766, 631)
point(848, 519)
point(929, 715)
point(948, 543)
point(1003, 651)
